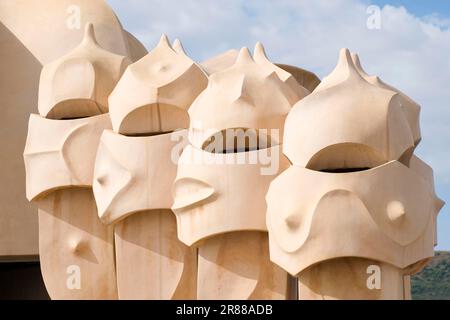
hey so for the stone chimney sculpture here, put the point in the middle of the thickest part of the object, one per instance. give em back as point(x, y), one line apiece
point(236, 178)
point(219, 191)
point(135, 170)
point(355, 214)
point(76, 249)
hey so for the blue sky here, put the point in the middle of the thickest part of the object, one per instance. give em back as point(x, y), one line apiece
point(420, 7)
point(411, 50)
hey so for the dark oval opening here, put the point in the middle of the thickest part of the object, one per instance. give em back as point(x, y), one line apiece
point(344, 158)
point(154, 119)
point(73, 109)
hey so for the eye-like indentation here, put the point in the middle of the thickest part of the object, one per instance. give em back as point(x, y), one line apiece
point(289, 225)
point(162, 67)
point(77, 245)
point(288, 214)
point(396, 211)
point(111, 178)
point(190, 191)
point(293, 220)
point(102, 180)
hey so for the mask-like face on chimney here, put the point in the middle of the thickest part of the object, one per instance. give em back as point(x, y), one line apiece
point(61, 154)
point(235, 131)
point(207, 203)
point(135, 174)
point(352, 189)
point(385, 213)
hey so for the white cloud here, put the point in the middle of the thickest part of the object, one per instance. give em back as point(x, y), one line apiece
point(408, 52)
